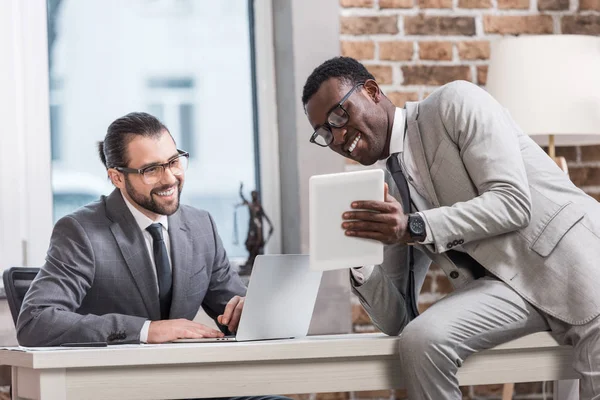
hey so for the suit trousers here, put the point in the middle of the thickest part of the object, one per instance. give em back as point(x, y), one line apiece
point(479, 316)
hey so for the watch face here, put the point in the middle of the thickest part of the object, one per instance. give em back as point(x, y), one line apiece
point(417, 226)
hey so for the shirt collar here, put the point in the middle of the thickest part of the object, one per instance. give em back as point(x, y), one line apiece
point(142, 220)
point(397, 139)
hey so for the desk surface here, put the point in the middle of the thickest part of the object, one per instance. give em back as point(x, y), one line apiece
point(312, 347)
point(223, 369)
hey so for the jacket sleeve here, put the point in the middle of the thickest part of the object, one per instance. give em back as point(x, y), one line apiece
point(49, 315)
point(487, 139)
point(384, 295)
point(225, 283)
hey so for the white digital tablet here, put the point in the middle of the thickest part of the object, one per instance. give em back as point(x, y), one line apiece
point(329, 197)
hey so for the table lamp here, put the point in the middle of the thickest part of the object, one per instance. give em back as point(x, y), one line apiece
point(551, 86)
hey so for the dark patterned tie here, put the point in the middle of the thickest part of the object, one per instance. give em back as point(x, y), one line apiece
point(163, 269)
point(393, 165)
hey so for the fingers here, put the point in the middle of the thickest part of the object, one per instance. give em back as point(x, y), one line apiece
point(365, 216)
point(237, 315)
point(386, 189)
point(386, 232)
point(197, 330)
point(385, 239)
point(229, 308)
point(372, 205)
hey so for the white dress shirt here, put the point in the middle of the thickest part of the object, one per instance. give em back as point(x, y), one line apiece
point(144, 222)
point(361, 274)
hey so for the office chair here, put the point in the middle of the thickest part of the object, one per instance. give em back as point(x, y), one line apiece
point(16, 284)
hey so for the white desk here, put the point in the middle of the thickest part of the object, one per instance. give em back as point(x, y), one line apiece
point(317, 364)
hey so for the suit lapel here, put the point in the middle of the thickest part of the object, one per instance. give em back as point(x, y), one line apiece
point(181, 263)
point(131, 242)
point(416, 163)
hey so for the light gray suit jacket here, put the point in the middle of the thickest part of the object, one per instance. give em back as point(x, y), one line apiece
point(496, 193)
point(98, 282)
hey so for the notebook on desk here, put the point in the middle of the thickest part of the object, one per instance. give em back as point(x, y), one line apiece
point(279, 301)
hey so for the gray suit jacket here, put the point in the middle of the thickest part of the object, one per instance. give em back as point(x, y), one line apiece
point(98, 282)
point(498, 195)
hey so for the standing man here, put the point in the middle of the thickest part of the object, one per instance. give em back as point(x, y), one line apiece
point(134, 266)
point(469, 190)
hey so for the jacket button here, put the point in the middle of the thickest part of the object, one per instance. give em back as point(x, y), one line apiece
point(461, 241)
point(455, 243)
point(449, 245)
point(454, 274)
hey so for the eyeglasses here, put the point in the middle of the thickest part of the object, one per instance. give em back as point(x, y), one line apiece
point(154, 173)
point(337, 117)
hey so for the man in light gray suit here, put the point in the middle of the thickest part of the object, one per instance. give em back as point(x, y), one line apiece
point(134, 266)
point(467, 189)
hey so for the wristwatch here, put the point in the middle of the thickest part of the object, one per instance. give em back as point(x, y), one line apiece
point(416, 228)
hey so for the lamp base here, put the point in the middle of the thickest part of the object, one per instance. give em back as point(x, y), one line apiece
point(562, 164)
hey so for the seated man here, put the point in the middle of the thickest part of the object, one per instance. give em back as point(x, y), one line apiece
point(134, 266)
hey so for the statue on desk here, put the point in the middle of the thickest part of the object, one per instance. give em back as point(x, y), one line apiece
point(255, 241)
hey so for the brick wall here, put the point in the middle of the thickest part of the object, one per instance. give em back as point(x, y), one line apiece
point(414, 46)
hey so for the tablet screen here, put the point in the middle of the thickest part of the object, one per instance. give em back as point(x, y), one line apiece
point(329, 197)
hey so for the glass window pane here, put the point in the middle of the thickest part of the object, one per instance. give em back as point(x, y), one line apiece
point(186, 116)
point(186, 62)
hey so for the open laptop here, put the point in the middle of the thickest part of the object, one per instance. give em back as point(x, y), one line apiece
point(279, 302)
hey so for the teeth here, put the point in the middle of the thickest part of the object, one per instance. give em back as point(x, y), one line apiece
point(354, 143)
point(166, 192)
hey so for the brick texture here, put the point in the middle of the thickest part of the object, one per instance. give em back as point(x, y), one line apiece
point(437, 25)
point(369, 25)
point(482, 72)
point(589, 5)
point(513, 4)
point(476, 50)
point(396, 51)
point(382, 73)
point(435, 4)
point(474, 3)
point(553, 5)
point(399, 98)
point(581, 24)
point(414, 46)
point(363, 50)
point(383, 4)
point(434, 75)
point(588, 153)
point(585, 176)
point(435, 51)
point(516, 24)
point(356, 3)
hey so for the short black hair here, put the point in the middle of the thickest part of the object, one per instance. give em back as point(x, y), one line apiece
point(113, 150)
point(346, 68)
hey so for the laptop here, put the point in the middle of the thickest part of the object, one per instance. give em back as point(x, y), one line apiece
point(279, 302)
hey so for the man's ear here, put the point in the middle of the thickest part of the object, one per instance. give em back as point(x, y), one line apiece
point(373, 91)
point(116, 177)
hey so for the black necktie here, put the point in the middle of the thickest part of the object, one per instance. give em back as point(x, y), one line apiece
point(393, 165)
point(163, 269)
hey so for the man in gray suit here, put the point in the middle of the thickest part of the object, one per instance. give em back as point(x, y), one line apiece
point(467, 189)
point(134, 266)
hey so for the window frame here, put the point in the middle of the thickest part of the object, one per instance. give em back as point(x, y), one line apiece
point(25, 154)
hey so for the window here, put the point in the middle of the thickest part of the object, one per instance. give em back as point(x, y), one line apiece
point(55, 118)
point(187, 62)
point(172, 101)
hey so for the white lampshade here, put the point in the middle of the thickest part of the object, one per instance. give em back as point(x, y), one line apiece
point(550, 84)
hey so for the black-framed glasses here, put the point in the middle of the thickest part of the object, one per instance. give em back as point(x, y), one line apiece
point(154, 173)
point(337, 117)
